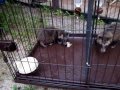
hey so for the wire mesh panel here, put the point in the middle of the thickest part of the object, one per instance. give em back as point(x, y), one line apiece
point(38, 54)
point(104, 64)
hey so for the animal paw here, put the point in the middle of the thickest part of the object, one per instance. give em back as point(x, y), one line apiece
point(113, 46)
point(43, 45)
point(51, 44)
point(69, 44)
point(102, 50)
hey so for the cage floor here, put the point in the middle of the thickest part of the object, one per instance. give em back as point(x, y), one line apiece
point(68, 64)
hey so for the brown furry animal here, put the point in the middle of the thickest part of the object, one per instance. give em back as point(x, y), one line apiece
point(51, 35)
point(109, 37)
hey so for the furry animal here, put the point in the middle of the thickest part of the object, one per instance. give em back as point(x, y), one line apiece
point(51, 35)
point(113, 1)
point(62, 37)
point(109, 37)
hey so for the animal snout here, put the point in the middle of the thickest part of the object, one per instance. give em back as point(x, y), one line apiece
point(103, 50)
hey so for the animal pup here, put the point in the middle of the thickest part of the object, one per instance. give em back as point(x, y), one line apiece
point(112, 1)
point(63, 37)
point(109, 37)
point(51, 35)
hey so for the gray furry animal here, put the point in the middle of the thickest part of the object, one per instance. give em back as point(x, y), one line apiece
point(109, 37)
point(113, 1)
point(50, 35)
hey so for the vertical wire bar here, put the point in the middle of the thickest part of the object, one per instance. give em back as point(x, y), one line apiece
point(93, 32)
point(22, 28)
point(8, 26)
point(88, 37)
point(47, 50)
point(55, 3)
point(83, 43)
point(4, 56)
point(34, 28)
point(49, 60)
point(12, 63)
point(8, 64)
point(6, 59)
point(65, 66)
point(11, 35)
point(102, 80)
point(7, 22)
point(62, 15)
point(18, 24)
point(11, 55)
point(49, 14)
point(15, 23)
point(27, 16)
point(79, 31)
point(72, 29)
point(26, 29)
point(118, 80)
point(3, 37)
point(103, 35)
point(64, 47)
point(41, 17)
point(109, 54)
point(96, 71)
point(114, 67)
point(55, 10)
point(21, 42)
point(118, 53)
point(96, 7)
point(33, 25)
point(55, 18)
point(91, 43)
point(55, 46)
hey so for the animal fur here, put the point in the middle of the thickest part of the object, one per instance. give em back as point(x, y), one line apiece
point(113, 1)
point(51, 35)
point(109, 37)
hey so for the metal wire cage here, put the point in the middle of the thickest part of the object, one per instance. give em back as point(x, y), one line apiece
point(81, 65)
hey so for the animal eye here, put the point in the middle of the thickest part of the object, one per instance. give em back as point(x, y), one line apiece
point(100, 37)
point(107, 39)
